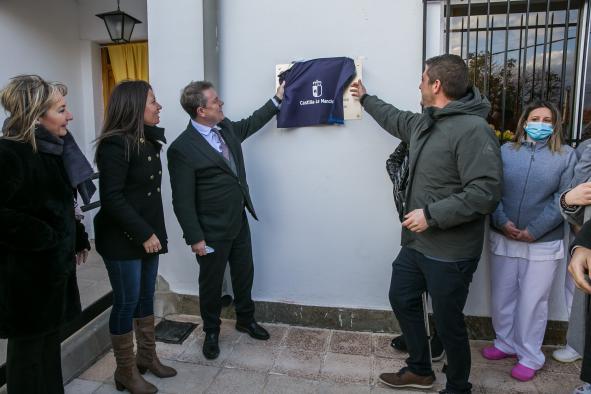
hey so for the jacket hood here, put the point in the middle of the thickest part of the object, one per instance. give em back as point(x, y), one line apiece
point(473, 103)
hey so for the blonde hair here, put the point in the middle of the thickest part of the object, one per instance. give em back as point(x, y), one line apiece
point(26, 98)
point(556, 139)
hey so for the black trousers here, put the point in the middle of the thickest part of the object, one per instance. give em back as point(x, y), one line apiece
point(447, 283)
point(33, 365)
point(238, 253)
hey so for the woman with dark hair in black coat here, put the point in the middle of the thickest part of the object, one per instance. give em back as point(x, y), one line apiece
point(40, 165)
point(129, 228)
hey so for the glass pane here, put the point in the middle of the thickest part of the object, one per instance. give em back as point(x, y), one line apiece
point(519, 57)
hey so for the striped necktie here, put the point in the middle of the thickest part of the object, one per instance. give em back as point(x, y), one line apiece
point(225, 151)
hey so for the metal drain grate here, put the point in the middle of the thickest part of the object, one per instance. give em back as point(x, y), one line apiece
point(176, 332)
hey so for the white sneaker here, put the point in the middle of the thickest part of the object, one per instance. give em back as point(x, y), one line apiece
point(566, 355)
point(584, 389)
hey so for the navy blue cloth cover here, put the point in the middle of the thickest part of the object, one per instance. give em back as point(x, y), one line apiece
point(314, 92)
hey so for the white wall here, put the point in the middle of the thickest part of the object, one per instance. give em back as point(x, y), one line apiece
point(328, 231)
point(41, 37)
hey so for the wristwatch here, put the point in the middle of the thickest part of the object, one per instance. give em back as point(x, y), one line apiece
point(564, 205)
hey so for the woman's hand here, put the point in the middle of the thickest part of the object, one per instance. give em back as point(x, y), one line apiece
point(81, 256)
point(152, 245)
point(510, 230)
point(579, 195)
point(525, 236)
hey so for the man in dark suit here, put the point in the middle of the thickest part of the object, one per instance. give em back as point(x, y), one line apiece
point(210, 192)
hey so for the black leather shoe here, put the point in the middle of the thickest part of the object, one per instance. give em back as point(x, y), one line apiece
point(211, 348)
point(399, 343)
point(254, 330)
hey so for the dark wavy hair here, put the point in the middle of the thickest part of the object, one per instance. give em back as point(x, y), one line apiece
point(125, 114)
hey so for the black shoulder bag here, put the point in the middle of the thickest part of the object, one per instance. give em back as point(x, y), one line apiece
point(397, 168)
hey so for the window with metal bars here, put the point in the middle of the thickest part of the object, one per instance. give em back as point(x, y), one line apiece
point(517, 51)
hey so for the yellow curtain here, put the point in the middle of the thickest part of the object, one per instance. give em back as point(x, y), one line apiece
point(129, 61)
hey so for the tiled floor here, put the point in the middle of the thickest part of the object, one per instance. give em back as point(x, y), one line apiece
point(304, 360)
point(93, 281)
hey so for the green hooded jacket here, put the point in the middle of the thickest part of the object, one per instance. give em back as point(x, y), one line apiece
point(455, 172)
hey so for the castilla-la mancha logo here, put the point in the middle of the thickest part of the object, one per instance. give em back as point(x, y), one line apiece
point(317, 88)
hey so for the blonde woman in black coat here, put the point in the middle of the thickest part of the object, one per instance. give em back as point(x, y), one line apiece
point(129, 228)
point(38, 290)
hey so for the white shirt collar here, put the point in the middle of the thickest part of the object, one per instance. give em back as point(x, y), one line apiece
point(202, 129)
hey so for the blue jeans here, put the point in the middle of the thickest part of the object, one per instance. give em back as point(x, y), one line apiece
point(133, 283)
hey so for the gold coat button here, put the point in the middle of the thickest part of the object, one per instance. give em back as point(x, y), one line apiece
point(157, 155)
point(158, 189)
point(159, 172)
point(151, 176)
point(142, 140)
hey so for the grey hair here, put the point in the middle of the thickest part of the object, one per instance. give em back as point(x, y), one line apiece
point(192, 96)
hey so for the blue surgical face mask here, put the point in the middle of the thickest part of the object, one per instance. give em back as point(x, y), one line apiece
point(539, 131)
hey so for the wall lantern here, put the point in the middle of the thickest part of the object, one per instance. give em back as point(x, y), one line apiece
point(119, 24)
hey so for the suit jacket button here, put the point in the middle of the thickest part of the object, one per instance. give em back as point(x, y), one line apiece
point(151, 176)
point(149, 194)
point(149, 158)
point(157, 154)
point(158, 189)
point(159, 172)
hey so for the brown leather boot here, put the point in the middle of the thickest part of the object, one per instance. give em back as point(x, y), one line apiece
point(147, 359)
point(127, 375)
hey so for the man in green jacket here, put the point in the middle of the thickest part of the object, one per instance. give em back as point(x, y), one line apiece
point(455, 173)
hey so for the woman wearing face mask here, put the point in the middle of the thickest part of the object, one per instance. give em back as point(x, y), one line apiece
point(526, 244)
point(40, 165)
point(129, 228)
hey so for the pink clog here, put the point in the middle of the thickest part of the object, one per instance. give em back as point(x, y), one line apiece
point(523, 373)
point(493, 353)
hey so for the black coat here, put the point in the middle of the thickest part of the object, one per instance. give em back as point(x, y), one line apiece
point(38, 290)
point(207, 196)
point(584, 239)
point(130, 195)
